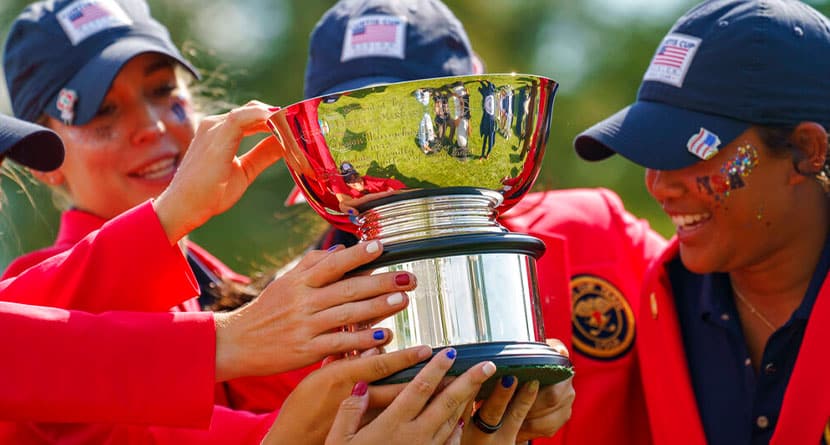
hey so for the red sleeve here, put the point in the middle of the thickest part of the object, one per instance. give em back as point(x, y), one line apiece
point(127, 265)
point(69, 366)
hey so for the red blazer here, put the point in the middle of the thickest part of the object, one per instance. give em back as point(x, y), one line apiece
point(590, 279)
point(53, 357)
point(672, 409)
point(128, 264)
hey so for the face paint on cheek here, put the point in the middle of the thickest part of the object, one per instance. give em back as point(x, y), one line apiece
point(732, 174)
point(179, 112)
point(104, 133)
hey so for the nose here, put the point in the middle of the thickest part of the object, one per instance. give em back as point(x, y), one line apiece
point(664, 184)
point(149, 125)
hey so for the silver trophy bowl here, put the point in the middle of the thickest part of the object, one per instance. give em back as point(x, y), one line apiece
point(426, 167)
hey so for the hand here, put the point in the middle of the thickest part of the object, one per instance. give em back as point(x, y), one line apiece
point(211, 178)
point(495, 411)
point(417, 415)
point(553, 405)
point(296, 320)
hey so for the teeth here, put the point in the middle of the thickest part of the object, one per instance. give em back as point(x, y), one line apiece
point(157, 169)
point(689, 219)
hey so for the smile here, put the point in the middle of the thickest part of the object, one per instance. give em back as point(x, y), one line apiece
point(158, 169)
point(690, 220)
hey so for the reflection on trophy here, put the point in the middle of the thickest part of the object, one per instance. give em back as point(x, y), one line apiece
point(426, 167)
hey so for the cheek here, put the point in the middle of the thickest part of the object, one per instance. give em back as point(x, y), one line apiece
point(179, 118)
point(731, 176)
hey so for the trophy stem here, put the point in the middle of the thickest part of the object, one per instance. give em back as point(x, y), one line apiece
point(427, 217)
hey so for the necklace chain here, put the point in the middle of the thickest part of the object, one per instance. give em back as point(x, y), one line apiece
point(752, 309)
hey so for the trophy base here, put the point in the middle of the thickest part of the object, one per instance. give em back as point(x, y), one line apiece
point(525, 361)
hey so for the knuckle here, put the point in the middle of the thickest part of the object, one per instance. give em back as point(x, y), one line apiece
point(423, 387)
point(381, 368)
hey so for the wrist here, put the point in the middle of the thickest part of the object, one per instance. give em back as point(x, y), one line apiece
point(227, 364)
point(173, 217)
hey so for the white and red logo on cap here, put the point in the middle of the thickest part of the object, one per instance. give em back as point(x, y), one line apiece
point(672, 60)
point(66, 105)
point(374, 36)
point(83, 18)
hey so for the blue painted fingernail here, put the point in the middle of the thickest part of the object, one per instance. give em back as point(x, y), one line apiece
point(507, 381)
point(379, 334)
point(333, 248)
point(451, 353)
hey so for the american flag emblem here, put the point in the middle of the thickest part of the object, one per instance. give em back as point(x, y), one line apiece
point(371, 33)
point(375, 35)
point(673, 59)
point(670, 55)
point(703, 144)
point(86, 13)
point(84, 18)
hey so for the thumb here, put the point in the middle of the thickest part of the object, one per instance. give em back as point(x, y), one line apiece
point(257, 159)
point(349, 416)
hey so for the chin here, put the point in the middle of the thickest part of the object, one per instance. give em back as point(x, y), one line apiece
point(696, 261)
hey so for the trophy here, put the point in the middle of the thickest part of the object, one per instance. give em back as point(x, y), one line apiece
point(426, 167)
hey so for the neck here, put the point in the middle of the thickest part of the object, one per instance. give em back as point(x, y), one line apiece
point(776, 285)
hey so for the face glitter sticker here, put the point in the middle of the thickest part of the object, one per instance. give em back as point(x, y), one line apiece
point(732, 174)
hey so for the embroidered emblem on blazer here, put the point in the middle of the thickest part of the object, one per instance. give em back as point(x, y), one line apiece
point(602, 319)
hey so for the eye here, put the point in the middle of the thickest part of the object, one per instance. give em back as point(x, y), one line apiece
point(106, 109)
point(164, 90)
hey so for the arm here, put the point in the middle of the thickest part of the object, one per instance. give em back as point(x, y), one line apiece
point(71, 366)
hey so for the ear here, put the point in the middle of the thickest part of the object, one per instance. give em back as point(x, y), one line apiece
point(810, 142)
point(52, 178)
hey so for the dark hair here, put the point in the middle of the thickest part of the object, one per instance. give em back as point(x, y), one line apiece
point(780, 143)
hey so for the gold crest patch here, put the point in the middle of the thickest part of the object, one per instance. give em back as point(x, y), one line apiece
point(602, 319)
point(827, 432)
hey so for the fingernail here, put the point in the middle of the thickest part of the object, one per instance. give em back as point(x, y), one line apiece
point(489, 369)
point(451, 353)
point(379, 334)
point(333, 248)
point(507, 381)
point(274, 108)
point(394, 299)
point(373, 247)
point(402, 279)
point(461, 423)
point(533, 386)
point(360, 389)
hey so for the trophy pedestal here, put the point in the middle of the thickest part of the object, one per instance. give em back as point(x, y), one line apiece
point(525, 361)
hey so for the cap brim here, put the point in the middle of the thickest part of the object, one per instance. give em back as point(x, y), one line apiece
point(360, 82)
point(93, 80)
point(654, 135)
point(30, 145)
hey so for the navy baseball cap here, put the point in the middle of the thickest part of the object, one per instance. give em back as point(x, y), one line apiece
point(61, 56)
point(29, 144)
point(724, 66)
point(363, 42)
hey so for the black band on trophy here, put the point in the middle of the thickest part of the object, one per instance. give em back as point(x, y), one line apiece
point(485, 427)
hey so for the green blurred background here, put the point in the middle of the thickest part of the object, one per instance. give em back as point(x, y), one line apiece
point(256, 49)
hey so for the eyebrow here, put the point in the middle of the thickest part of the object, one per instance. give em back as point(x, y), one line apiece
point(160, 64)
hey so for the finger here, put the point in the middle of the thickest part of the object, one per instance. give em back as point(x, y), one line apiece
point(551, 410)
point(331, 343)
point(359, 312)
point(422, 387)
point(359, 288)
point(310, 258)
point(492, 410)
point(257, 159)
point(381, 396)
point(455, 437)
point(557, 346)
point(379, 366)
point(347, 420)
point(334, 266)
point(519, 407)
point(455, 396)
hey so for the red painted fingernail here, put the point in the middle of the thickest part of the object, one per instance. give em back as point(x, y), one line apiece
point(360, 389)
point(461, 423)
point(402, 279)
point(274, 108)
